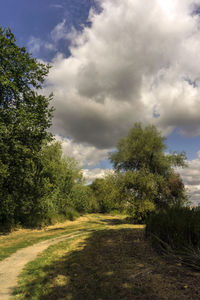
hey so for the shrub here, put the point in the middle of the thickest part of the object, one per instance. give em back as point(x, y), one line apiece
point(139, 210)
point(71, 214)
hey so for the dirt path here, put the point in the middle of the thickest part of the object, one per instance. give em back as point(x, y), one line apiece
point(12, 266)
point(116, 263)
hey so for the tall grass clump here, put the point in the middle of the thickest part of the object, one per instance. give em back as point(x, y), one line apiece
point(176, 231)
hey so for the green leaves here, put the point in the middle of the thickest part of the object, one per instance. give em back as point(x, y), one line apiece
point(148, 174)
point(139, 149)
point(25, 117)
point(19, 72)
point(36, 182)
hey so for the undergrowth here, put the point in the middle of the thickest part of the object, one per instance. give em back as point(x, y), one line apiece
point(176, 232)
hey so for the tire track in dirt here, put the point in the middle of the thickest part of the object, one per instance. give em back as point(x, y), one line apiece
point(11, 267)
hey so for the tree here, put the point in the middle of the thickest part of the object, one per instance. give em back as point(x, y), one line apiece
point(148, 172)
point(24, 119)
point(144, 148)
point(109, 192)
point(56, 181)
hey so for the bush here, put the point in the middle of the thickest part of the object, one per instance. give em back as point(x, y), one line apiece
point(71, 214)
point(140, 210)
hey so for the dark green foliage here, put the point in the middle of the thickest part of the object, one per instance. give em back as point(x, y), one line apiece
point(178, 227)
point(70, 213)
point(24, 118)
point(83, 199)
point(64, 192)
point(117, 192)
point(108, 192)
point(37, 185)
point(139, 191)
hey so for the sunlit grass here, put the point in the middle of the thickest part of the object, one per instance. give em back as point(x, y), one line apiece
point(25, 237)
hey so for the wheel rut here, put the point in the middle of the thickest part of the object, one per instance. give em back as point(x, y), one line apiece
point(12, 266)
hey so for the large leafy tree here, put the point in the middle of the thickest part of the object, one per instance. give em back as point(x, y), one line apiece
point(24, 118)
point(144, 148)
point(149, 175)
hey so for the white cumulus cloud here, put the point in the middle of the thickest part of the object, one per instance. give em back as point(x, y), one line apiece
point(191, 178)
point(86, 155)
point(91, 174)
point(139, 61)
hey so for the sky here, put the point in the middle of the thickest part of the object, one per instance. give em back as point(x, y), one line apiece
point(115, 63)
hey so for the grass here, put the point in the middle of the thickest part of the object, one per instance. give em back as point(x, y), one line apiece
point(26, 237)
point(36, 276)
point(178, 227)
point(113, 263)
point(176, 232)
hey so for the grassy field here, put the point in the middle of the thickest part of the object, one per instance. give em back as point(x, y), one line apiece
point(113, 261)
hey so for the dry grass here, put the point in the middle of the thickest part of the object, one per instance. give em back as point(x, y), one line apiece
point(25, 237)
point(113, 263)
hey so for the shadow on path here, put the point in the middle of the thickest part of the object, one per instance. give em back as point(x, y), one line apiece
point(114, 265)
point(101, 270)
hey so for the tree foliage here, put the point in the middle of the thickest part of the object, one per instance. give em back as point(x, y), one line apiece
point(24, 118)
point(143, 148)
point(37, 184)
point(108, 192)
point(58, 177)
point(149, 179)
